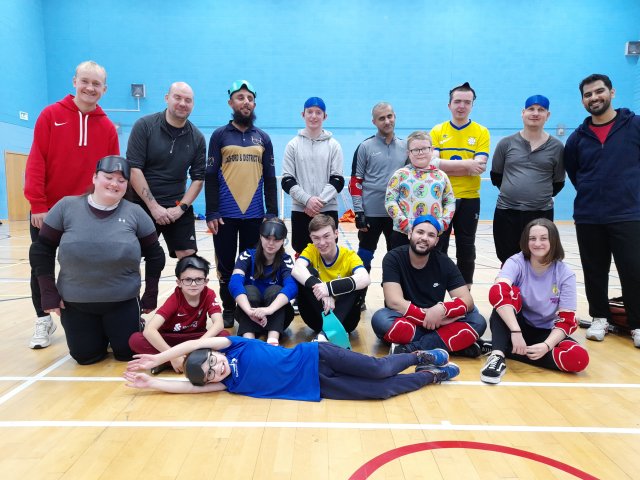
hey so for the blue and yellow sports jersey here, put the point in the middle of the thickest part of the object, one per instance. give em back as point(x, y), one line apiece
point(240, 171)
point(343, 266)
point(462, 143)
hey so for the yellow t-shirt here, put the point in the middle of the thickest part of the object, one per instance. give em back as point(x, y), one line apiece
point(343, 266)
point(462, 143)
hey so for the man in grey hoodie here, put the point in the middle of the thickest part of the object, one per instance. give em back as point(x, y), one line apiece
point(312, 173)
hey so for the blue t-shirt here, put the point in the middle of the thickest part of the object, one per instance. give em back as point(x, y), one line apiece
point(261, 370)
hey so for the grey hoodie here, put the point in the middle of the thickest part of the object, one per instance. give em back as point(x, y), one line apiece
point(311, 163)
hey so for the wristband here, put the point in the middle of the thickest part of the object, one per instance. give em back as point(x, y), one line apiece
point(548, 346)
point(516, 331)
point(341, 286)
point(311, 281)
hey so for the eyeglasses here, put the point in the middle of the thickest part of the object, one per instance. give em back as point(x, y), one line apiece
point(420, 151)
point(213, 360)
point(187, 282)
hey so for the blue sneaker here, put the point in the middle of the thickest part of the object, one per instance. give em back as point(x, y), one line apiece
point(440, 374)
point(437, 357)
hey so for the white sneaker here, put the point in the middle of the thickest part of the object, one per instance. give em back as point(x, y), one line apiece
point(636, 337)
point(598, 329)
point(45, 327)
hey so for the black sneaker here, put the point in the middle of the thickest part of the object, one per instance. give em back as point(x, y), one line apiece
point(402, 348)
point(486, 347)
point(227, 318)
point(494, 369)
point(472, 351)
point(161, 368)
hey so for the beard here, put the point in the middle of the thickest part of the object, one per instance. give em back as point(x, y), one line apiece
point(420, 253)
point(244, 121)
point(600, 109)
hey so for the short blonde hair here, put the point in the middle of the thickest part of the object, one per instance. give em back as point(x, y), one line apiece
point(91, 65)
point(418, 135)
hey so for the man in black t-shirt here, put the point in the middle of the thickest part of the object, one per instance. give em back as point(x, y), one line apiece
point(415, 279)
point(163, 148)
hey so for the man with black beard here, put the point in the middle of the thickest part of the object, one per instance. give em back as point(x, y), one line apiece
point(240, 187)
point(415, 279)
point(602, 159)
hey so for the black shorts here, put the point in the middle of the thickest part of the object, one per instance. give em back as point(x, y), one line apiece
point(180, 235)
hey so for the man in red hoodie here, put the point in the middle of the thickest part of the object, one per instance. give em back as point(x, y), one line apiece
point(69, 138)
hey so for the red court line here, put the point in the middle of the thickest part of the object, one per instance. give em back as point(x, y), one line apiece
point(375, 463)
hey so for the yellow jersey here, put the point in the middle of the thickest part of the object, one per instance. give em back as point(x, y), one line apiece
point(462, 143)
point(346, 262)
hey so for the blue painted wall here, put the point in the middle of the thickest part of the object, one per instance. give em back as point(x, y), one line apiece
point(352, 54)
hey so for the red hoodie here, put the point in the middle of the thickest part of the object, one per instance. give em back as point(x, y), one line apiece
point(67, 145)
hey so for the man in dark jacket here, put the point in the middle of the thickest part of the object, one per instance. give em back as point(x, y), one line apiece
point(602, 160)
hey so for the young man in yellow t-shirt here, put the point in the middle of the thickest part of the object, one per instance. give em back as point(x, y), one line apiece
point(331, 277)
point(461, 150)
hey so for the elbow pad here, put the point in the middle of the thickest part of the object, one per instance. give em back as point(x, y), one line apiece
point(288, 183)
point(355, 186)
point(337, 182)
point(341, 286)
point(502, 294)
point(566, 322)
point(415, 313)
point(456, 308)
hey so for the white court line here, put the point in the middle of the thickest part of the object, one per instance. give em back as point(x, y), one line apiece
point(444, 426)
point(31, 380)
point(40, 378)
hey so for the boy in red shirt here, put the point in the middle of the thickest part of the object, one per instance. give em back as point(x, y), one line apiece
point(183, 316)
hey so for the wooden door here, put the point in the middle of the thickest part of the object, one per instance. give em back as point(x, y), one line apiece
point(15, 165)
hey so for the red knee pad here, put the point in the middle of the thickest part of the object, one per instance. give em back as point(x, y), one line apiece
point(456, 308)
point(402, 331)
point(457, 335)
point(504, 294)
point(570, 356)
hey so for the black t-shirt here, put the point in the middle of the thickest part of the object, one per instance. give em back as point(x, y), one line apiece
point(426, 286)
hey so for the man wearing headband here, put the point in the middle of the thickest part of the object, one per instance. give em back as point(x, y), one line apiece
point(163, 148)
point(374, 162)
point(240, 186)
point(415, 280)
point(461, 150)
point(602, 159)
point(527, 168)
point(312, 173)
point(69, 137)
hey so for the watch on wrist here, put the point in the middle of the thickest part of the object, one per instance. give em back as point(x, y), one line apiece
point(183, 206)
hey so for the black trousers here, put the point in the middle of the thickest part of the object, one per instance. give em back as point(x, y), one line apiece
point(347, 309)
point(277, 322)
point(91, 327)
point(465, 224)
point(35, 287)
point(508, 226)
point(349, 375)
point(368, 241)
point(597, 243)
point(234, 234)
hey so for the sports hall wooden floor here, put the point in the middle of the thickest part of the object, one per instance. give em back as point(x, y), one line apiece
point(59, 420)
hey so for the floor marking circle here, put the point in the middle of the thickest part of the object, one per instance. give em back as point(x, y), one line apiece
point(375, 463)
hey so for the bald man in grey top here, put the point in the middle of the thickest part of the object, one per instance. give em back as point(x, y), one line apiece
point(163, 149)
point(527, 167)
point(374, 162)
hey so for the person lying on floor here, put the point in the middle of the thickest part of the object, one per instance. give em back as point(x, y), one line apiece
point(309, 371)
